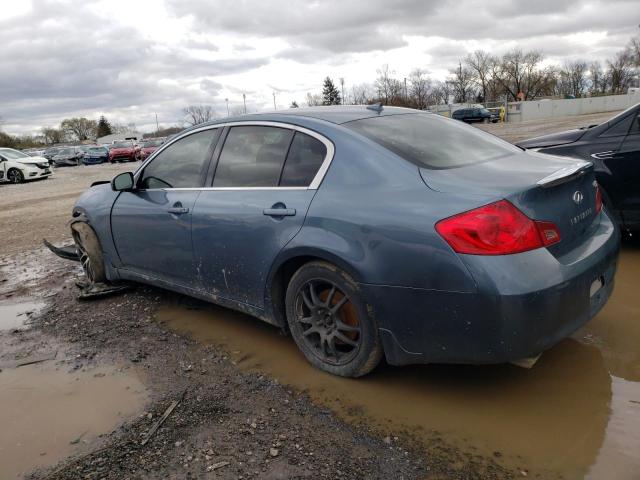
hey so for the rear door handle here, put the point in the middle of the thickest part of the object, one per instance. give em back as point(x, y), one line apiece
point(279, 212)
point(178, 210)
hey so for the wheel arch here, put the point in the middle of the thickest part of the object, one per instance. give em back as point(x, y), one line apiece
point(286, 265)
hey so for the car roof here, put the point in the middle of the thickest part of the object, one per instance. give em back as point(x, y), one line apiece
point(337, 114)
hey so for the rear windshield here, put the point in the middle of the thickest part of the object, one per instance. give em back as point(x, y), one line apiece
point(431, 141)
point(122, 144)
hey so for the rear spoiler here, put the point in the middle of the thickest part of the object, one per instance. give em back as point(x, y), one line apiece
point(565, 174)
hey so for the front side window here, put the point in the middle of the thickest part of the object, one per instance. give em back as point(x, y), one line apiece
point(305, 157)
point(180, 165)
point(252, 156)
point(430, 141)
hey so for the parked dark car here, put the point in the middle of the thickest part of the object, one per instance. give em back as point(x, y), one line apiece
point(148, 147)
point(68, 156)
point(50, 152)
point(475, 115)
point(96, 155)
point(123, 151)
point(365, 232)
point(614, 149)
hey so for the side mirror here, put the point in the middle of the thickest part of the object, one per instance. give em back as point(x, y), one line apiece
point(123, 182)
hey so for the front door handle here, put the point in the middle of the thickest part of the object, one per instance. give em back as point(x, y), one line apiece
point(178, 210)
point(279, 212)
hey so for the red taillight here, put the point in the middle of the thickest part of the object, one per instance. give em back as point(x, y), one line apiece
point(496, 229)
point(598, 198)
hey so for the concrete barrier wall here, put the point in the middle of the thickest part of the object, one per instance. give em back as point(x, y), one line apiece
point(541, 109)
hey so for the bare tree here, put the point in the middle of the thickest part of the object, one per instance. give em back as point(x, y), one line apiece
point(197, 114)
point(52, 135)
point(481, 64)
point(313, 99)
point(79, 128)
point(621, 71)
point(521, 77)
point(389, 88)
point(462, 84)
point(572, 78)
point(598, 79)
point(362, 94)
point(440, 93)
point(419, 88)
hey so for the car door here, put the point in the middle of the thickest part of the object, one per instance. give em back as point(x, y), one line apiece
point(264, 181)
point(628, 168)
point(151, 225)
point(613, 168)
point(3, 169)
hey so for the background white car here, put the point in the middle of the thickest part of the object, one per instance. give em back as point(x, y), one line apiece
point(18, 167)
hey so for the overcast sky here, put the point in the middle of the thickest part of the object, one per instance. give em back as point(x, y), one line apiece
point(131, 59)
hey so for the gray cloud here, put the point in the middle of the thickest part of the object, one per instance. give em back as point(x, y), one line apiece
point(66, 59)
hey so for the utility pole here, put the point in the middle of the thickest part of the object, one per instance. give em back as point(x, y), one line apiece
point(274, 101)
point(227, 100)
point(244, 100)
point(342, 88)
point(406, 96)
point(157, 126)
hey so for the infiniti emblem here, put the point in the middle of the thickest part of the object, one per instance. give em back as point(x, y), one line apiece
point(578, 197)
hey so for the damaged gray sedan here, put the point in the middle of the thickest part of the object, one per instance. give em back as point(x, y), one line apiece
point(366, 231)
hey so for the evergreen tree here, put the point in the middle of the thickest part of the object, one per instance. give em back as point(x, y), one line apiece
point(104, 127)
point(294, 104)
point(330, 94)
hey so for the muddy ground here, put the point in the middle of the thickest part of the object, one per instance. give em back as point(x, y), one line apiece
point(83, 382)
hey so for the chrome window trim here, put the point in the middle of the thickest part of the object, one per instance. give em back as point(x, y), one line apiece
point(315, 183)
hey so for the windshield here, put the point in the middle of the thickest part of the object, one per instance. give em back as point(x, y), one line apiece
point(97, 150)
point(122, 144)
point(65, 151)
point(152, 143)
point(11, 154)
point(432, 141)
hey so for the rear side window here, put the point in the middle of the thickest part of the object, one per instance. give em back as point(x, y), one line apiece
point(305, 157)
point(252, 156)
point(620, 128)
point(431, 141)
point(181, 164)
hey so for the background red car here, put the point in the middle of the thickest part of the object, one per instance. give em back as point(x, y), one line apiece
point(123, 151)
point(148, 147)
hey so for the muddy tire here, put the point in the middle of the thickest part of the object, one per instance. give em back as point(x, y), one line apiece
point(15, 176)
point(90, 252)
point(329, 321)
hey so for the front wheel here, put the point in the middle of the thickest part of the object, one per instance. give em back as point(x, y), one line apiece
point(15, 176)
point(329, 321)
point(90, 252)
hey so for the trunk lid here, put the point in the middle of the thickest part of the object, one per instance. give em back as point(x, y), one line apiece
point(543, 187)
point(561, 138)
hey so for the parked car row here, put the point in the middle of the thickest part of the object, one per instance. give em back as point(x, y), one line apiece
point(118, 151)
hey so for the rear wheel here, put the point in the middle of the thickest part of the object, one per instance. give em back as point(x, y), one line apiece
point(329, 321)
point(15, 176)
point(90, 252)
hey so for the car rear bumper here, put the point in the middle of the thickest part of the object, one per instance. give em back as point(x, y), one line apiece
point(522, 306)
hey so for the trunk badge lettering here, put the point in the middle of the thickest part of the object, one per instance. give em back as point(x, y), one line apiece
point(578, 197)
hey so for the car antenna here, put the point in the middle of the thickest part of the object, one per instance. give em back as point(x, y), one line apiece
point(376, 107)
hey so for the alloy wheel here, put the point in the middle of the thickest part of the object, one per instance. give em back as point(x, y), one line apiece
point(328, 321)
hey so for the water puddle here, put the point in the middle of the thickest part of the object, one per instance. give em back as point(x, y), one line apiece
point(48, 414)
point(576, 414)
point(14, 316)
